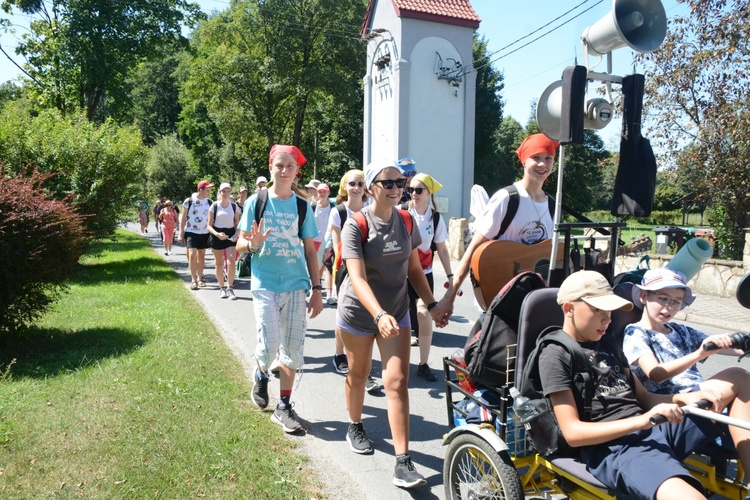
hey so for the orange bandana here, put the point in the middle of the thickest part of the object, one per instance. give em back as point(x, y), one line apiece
point(535, 144)
point(291, 150)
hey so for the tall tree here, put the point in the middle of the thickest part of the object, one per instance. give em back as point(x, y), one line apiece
point(699, 92)
point(488, 116)
point(507, 170)
point(80, 52)
point(262, 67)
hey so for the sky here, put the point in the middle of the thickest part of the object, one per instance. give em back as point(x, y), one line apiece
point(549, 42)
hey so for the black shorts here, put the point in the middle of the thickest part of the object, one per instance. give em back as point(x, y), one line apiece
point(195, 240)
point(217, 244)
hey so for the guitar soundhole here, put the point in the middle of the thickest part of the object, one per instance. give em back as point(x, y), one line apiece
point(542, 267)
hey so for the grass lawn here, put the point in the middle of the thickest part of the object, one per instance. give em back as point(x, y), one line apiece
point(126, 390)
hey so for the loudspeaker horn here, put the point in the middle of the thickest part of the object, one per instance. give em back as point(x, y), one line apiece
point(639, 24)
point(598, 112)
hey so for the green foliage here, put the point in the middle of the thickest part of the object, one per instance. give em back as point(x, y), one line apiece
point(81, 52)
point(170, 169)
point(488, 119)
point(582, 174)
point(102, 165)
point(275, 72)
point(42, 239)
point(698, 91)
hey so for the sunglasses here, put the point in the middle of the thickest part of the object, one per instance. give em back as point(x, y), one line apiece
point(356, 184)
point(391, 183)
point(411, 190)
point(410, 173)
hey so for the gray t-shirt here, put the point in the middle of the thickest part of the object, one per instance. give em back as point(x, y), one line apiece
point(386, 256)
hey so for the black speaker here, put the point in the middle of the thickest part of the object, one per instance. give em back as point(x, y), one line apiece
point(572, 109)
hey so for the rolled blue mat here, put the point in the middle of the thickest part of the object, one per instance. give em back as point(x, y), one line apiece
point(691, 257)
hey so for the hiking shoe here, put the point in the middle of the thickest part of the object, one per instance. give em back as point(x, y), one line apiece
point(223, 293)
point(406, 475)
point(357, 439)
point(260, 389)
point(371, 385)
point(426, 373)
point(230, 292)
point(341, 363)
point(287, 418)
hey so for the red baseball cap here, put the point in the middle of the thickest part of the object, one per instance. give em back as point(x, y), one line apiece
point(204, 184)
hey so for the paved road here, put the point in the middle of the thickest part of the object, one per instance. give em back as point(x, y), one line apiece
point(319, 395)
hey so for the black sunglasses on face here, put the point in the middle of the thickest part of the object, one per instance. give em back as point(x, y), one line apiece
point(391, 183)
point(356, 184)
point(411, 190)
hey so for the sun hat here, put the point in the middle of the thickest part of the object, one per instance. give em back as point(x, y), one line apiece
point(431, 184)
point(313, 184)
point(373, 169)
point(224, 185)
point(592, 288)
point(535, 144)
point(659, 279)
point(204, 184)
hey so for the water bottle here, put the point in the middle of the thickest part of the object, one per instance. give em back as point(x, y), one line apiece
point(522, 408)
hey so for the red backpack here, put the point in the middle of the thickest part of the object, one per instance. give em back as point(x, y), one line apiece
point(339, 265)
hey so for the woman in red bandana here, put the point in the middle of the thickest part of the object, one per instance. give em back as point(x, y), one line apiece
point(532, 222)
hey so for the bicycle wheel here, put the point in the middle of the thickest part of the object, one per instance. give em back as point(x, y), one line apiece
point(473, 470)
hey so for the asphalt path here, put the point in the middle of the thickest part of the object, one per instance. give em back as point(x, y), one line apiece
point(319, 392)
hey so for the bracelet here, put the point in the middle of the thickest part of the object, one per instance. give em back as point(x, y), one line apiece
point(431, 306)
point(251, 249)
point(449, 276)
point(379, 315)
point(318, 288)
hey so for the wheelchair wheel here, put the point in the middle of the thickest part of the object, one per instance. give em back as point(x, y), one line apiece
point(473, 470)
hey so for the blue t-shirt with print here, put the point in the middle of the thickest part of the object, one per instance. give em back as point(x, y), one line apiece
point(680, 341)
point(280, 265)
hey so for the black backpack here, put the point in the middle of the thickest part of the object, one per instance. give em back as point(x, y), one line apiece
point(542, 428)
point(513, 202)
point(486, 349)
point(260, 208)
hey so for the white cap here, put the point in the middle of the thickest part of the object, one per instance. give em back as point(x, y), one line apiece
point(224, 185)
point(261, 179)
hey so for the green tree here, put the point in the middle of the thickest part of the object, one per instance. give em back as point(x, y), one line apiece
point(507, 170)
point(101, 166)
point(261, 69)
point(699, 92)
point(170, 169)
point(488, 117)
point(80, 52)
point(582, 173)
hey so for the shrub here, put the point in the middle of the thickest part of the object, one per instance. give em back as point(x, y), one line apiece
point(42, 239)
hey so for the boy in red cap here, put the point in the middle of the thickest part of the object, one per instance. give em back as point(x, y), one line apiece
point(532, 221)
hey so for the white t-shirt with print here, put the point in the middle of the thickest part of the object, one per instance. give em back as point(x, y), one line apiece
point(531, 224)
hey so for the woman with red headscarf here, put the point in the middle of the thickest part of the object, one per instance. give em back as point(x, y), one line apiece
point(532, 221)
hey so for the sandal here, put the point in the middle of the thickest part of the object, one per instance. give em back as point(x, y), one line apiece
point(193, 285)
point(201, 283)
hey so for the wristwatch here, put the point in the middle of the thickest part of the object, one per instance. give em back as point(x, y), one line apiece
point(317, 287)
point(432, 305)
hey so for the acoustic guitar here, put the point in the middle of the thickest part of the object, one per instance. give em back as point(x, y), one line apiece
point(494, 263)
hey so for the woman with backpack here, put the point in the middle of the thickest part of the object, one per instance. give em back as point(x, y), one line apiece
point(379, 246)
point(351, 198)
point(431, 224)
point(223, 217)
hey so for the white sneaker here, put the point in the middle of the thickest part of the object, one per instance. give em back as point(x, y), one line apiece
point(223, 293)
point(331, 300)
point(230, 292)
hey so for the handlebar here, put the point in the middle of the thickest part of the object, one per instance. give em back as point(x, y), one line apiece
point(739, 341)
point(660, 419)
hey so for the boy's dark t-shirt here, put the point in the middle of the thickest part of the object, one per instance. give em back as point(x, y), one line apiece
point(614, 395)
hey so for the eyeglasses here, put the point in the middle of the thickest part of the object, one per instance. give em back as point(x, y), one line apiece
point(666, 301)
point(411, 190)
point(356, 184)
point(391, 183)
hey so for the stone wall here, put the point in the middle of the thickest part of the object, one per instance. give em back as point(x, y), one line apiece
point(717, 277)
